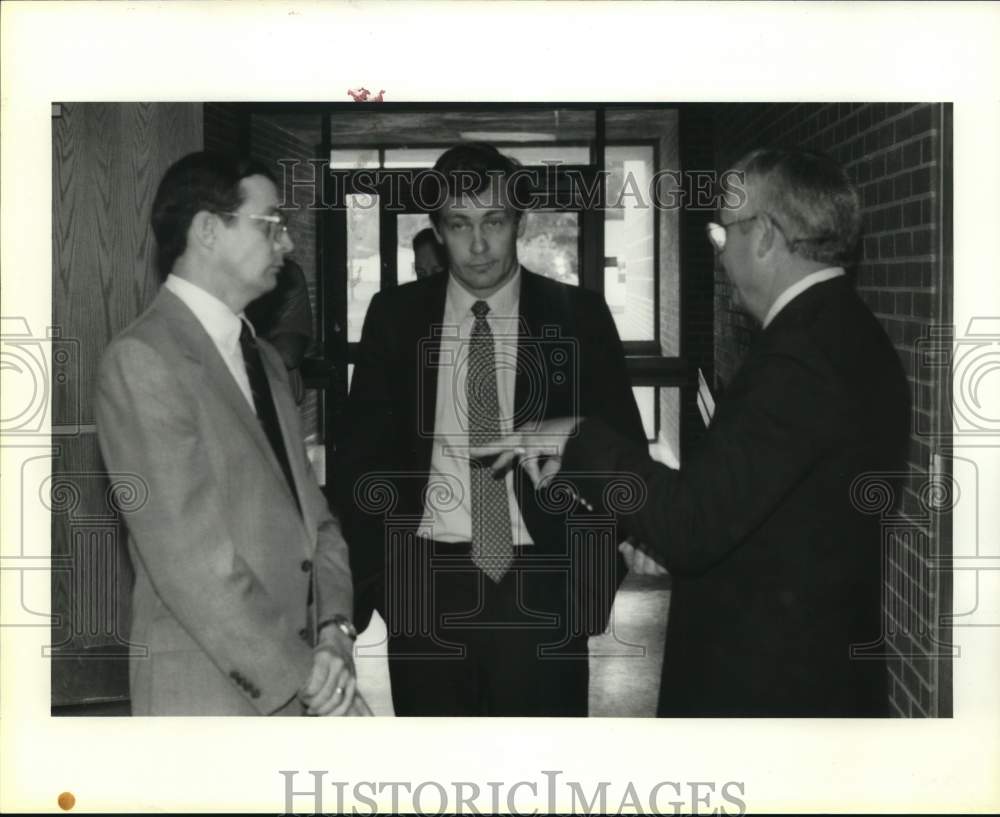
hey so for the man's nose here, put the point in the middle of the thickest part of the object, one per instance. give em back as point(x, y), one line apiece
point(479, 244)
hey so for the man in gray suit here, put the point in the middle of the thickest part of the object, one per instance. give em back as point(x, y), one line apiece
point(242, 596)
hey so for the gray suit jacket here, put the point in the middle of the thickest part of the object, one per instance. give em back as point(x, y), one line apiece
point(223, 558)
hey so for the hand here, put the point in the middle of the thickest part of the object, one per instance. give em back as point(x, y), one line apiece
point(639, 561)
point(538, 450)
point(332, 685)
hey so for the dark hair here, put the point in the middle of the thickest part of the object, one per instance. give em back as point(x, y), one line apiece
point(469, 168)
point(200, 181)
point(426, 236)
point(811, 198)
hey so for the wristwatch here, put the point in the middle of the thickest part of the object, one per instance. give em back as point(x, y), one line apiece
point(343, 623)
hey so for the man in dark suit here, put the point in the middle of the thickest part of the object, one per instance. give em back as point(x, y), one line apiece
point(776, 570)
point(487, 596)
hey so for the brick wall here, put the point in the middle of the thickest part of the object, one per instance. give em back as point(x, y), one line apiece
point(899, 156)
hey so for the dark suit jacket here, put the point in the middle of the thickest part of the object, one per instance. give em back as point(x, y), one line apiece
point(776, 571)
point(570, 362)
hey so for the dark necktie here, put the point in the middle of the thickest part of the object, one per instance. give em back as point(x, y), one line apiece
point(264, 404)
point(492, 540)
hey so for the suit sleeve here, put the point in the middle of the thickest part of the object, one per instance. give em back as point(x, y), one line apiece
point(147, 427)
point(606, 394)
point(365, 452)
point(606, 389)
point(755, 454)
point(334, 592)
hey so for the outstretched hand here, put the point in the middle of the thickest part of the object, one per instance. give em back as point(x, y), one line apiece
point(539, 450)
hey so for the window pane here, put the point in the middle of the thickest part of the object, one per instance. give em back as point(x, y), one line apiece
point(550, 245)
point(363, 261)
point(407, 226)
point(629, 242)
point(412, 157)
point(353, 158)
point(645, 398)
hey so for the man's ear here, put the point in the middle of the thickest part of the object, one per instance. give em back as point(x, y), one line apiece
point(204, 229)
point(768, 235)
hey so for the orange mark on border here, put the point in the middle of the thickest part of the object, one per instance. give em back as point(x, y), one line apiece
point(66, 800)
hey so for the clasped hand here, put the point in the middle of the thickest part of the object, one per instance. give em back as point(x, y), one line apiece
point(332, 688)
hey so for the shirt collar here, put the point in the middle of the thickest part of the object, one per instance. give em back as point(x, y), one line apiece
point(798, 288)
point(219, 321)
point(503, 302)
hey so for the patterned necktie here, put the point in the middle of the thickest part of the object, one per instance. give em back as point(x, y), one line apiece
point(492, 540)
point(264, 404)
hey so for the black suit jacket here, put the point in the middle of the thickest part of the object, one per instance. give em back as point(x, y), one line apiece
point(777, 572)
point(570, 363)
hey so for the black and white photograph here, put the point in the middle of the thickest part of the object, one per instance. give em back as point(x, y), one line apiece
point(538, 420)
point(778, 546)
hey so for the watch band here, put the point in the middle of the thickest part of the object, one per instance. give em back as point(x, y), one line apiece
point(343, 623)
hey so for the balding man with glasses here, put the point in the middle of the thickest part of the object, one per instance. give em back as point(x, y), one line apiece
point(242, 598)
point(776, 564)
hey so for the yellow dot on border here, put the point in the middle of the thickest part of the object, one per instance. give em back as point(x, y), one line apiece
point(66, 801)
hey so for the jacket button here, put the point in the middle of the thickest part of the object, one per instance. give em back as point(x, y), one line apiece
point(304, 634)
point(255, 693)
point(307, 565)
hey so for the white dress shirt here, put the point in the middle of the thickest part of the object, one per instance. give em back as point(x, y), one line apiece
point(447, 508)
point(222, 325)
point(798, 288)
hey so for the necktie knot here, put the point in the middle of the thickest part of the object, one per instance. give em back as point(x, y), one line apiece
point(480, 309)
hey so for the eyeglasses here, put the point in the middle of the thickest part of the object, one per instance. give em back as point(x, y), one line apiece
point(717, 232)
point(277, 223)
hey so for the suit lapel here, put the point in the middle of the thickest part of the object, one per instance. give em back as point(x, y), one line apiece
point(528, 326)
point(200, 350)
point(294, 448)
point(423, 340)
point(542, 329)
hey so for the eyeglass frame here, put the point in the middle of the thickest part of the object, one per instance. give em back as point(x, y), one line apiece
point(725, 227)
point(725, 230)
point(279, 219)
